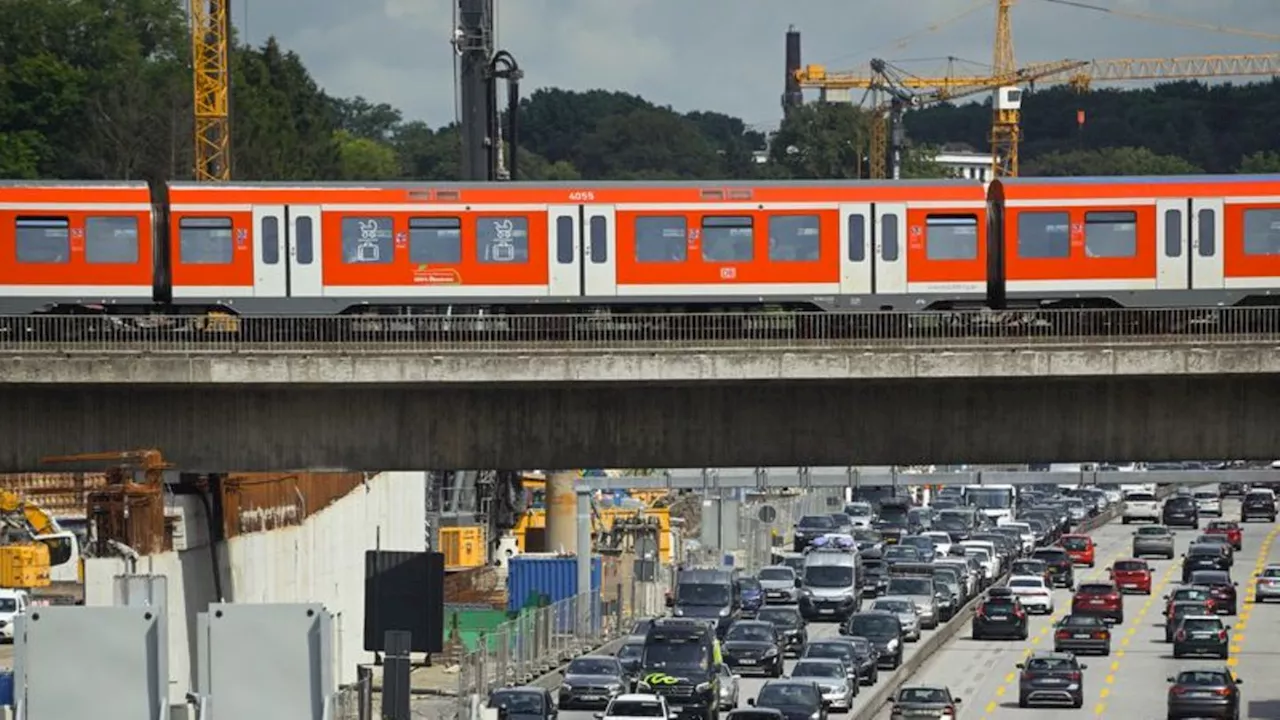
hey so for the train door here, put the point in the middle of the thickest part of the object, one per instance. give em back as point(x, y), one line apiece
point(890, 232)
point(599, 259)
point(855, 245)
point(1173, 263)
point(1206, 244)
point(566, 250)
point(305, 270)
point(270, 263)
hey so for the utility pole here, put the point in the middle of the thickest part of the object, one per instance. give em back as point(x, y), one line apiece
point(480, 67)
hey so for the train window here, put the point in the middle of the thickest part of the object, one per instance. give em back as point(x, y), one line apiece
point(1044, 235)
point(794, 238)
point(1262, 231)
point(1207, 220)
point(436, 240)
point(110, 240)
point(503, 239)
point(43, 240)
point(1110, 234)
point(270, 240)
point(564, 239)
point(305, 241)
point(857, 228)
point(368, 240)
point(1172, 233)
point(661, 239)
point(889, 237)
point(599, 228)
point(951, 237)
point(205, 241)
point(728, 238)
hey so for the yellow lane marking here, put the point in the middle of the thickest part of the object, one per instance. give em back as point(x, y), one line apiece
point(991, 707)
point(1105, 692)
point(1115, 666)
point(1157, 589)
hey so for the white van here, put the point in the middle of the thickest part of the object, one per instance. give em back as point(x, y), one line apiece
point(992, 563)
point(12, 604)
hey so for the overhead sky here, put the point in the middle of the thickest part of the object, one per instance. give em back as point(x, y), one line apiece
point(721, 55)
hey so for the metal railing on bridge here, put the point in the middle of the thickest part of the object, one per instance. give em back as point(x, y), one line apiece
point(388, 334)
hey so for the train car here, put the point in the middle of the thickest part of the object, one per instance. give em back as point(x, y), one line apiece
point(534, 247)
point(76, 247)
point(1195, 241)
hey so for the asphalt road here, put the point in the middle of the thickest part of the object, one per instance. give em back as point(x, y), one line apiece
point(1131, 683)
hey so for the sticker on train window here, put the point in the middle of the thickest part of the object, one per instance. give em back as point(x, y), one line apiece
point(502, 239)
point(368, 240)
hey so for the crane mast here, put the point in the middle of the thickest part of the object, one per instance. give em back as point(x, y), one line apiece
point(211, 74)
point(1006, 108)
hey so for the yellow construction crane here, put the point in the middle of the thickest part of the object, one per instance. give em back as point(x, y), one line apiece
point(1005, 81)
point(211, 71)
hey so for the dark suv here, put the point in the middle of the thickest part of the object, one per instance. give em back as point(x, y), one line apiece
point(1201, 635)
point(1000, 615)
point(1062, 568)
point(1258, 505)
point(1180, 510)
point(1051, 679)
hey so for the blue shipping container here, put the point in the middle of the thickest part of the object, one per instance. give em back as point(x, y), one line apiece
point(552, 578)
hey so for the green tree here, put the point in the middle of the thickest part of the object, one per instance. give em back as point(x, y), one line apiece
point(646, 144)
point(363, 158)
point(920, 162)
point(427, 154)
point(364, 119)
point(1261, 162)
point(1109, 161)
point(824, 140)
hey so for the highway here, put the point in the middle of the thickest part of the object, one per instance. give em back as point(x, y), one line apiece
point(1131, 683)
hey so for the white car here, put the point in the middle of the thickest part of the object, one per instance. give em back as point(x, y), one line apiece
point(635, 706)
point(1208, 502)
point(941, 542)
point(862, 514)
point(1025, 534)
point(1140, 506)
point(12, 604)
point(1034, 594)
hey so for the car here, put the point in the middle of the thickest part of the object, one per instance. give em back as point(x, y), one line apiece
point(1201, 635)
point(1175, 612)
point(790, 626)
point(523, 701)
point(919, 590)
point(1061, 567)
point(629, 654)
point(780, 584)
point(1221, 588)
point(591, 681)
point(829, 674)
point(1051, 678)
point(635, 706)
point(1030, 566)
point(1099, 598)
point(1153, 540)
point(1222, 541)
point(1203, 556)
point(1204, 693)
point(1034, 592)
point(1229, 528)
point(923, 544)
point(941, 542)
point(907, 612)
point(884, 630)
point(858, 654)
point(861, 514)
point(1081, 548)
point(730, 687)
point(1082, 634)
point(1266, 586)
point(750, 596)
point(1132, 575)
point(924, 701)
point(752, 713)
point(1258, 505)
point(902, 552)
point(810, 528)
point(1140, 505)
point(1180, 511)
point(1200, 593)
point(753, 646)
point(795, 699)
point(1233, 489)
point(1208, 502)
point(1000, 615)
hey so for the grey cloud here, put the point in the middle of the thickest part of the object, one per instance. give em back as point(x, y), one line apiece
point(723, 55)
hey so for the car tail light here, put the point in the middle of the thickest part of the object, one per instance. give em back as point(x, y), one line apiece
point(1100, 635)
point(1018, 612)
point(1073, 676)
point(1062, 634)
point(1222, 635)
point(1222, 691)
point(949, 710)
point(1178, 690)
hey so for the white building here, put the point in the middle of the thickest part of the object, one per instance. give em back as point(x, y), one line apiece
point(966, 164)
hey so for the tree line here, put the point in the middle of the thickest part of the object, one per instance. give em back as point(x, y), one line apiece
point(101, 89)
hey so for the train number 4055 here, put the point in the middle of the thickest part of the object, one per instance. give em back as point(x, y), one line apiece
point(582, 195)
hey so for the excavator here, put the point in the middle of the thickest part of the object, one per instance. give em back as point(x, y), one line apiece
point(35, 552)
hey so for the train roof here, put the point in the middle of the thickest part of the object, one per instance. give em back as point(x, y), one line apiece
point(581, 184)
point(1104, 188)
point(73, 184)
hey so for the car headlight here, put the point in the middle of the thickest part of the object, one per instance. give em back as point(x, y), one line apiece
point(806, 592)
point(566, 686)
point(892, 645)
point(678, 612)
point(704, 687)
point(639, 686)
point(771, 652)
point(724, 612)
point(615, 688)
point(816, 715)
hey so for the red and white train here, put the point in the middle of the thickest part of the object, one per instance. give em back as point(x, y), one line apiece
point(322, 248)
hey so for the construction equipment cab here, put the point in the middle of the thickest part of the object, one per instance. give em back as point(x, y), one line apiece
point(24, 523)
point(679, 663)
point(12, 604)
point(711, 594)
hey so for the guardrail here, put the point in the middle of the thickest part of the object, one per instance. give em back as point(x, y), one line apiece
point(381, 334)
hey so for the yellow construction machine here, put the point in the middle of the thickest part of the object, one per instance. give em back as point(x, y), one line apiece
point(35, 551)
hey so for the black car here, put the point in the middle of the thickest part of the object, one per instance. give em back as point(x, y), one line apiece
point(857, 653)
point(924, 701)
point(591, 681)
point(795, 699)
point(1204, 693)
point(1082, 634)
point(1000, 615)
point(1051, 679)
point(790, 626)
point(875, 573)
point(1180, 511)
point(1231, 489)
point(523, 703)
point(883, 629)
point(1203, 556)
point(1258, 506)
point(901, 553)
point(1062, 569)
point(810, 528)
point(629, 656)
point(953, 524)
point(1221, 588)
point(755, 714)
point(1201, 635)
point(753, 646)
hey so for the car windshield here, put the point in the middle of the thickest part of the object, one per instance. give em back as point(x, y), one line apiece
point(691, 654)
point(790, 694)
point(910, 586)
point(634, 708)
point(828, 576)
point(1271, 572)
point(1029, 567)
point(630, 651)
point(1182, 609)
point(641, 627)
point(1206, 495)
point(1051, 556)
point(1130, 566)
point(1222, 525)
point(1139, 497)
point(817, 669)
point(751, 633)
point(8, 605)
point(922, 696)
point(1026, 583)
point(1075, 543)
point(1083, 621)
point(749, 584)
point(893, 606)
point(778, 573)
point(901, 552)
point(781, 617)
point(839, 651)
point(1191, 594)
point(988, 498)
point(1211, 678)
point(1201, 624)
point(714, 594)
point(872, 626)
point(1204, 549)
point(999, 604)
point(1050, 664)
point(857, 509)
point(1210, 578)
point(1153, 532)
point(817, 522)
point(1096, 588)
point(975, 552)
point(517, 702)
point(951, 522)
point(592, 666)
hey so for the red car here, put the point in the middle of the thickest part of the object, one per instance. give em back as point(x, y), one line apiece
point(1230, 528)
point(1132, 576)
point(1080, 548)
point(1098, 598)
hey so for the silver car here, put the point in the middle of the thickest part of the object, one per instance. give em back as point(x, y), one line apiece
point(906, 610)
point(831, 676)
point(919, 590)
point(1153, 540)
point(730, 687)
point(779, 585)
point(862, 514)
point(1267, 586)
